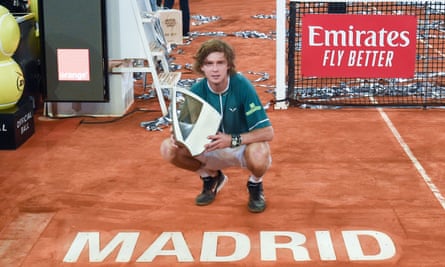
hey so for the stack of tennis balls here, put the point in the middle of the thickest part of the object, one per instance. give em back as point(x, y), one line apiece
point(12, 81)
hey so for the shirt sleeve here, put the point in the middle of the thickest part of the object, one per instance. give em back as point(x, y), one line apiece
point(255, 113)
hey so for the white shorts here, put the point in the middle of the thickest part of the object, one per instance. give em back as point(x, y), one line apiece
point(223, 158)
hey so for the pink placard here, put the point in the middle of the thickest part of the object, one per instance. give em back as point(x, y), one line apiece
point(358, 46)
point(73, 64)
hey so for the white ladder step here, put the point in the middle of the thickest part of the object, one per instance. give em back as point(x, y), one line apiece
point(166, 79)
point(169, 79)
point(156, 51)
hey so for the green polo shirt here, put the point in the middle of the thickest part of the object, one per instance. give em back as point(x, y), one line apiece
point(239, 105)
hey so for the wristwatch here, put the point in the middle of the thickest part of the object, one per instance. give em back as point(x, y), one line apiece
point(236, 140)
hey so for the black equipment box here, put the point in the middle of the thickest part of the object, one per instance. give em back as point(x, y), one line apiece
point(16, 125)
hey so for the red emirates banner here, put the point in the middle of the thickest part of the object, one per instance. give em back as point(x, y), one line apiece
point(358, 46)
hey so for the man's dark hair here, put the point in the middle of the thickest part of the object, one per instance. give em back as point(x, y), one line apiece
point(214, 45)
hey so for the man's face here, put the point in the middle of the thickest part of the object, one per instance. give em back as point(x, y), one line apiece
point(215, 68)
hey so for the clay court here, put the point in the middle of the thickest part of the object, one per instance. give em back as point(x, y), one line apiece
point(348, 186)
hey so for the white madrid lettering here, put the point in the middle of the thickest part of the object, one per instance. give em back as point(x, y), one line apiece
point(212, 242)
point(355, 251)
point(92, 239)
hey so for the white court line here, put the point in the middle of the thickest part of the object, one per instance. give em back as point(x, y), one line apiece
point(18, 237)
point(413, 159)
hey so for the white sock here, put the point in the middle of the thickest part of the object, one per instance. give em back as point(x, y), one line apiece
point(254, 179)
point(203, 172)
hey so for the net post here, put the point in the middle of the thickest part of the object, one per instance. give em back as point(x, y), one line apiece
point(291, 49)
point(280, 90)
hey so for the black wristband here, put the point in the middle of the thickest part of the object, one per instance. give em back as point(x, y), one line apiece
point(236, 140)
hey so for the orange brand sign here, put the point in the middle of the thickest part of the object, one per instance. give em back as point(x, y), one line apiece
point(73, 64)
point(358, 46)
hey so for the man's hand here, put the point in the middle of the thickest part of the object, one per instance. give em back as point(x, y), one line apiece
point(173, 140)
point(219, 140)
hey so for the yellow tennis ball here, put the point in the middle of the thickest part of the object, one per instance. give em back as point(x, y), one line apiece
point(12, 83)
point(9, 34)
point(3, 10)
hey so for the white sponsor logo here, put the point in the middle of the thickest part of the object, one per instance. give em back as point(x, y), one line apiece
point(73, 76)
point(358, 58)
point(319, 36)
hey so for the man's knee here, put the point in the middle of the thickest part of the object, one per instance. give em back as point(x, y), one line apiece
point(258, 156)
point(166, 150)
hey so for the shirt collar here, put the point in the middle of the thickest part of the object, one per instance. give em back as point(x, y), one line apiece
point(225, 90)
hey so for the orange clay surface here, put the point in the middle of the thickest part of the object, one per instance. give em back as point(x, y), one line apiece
point(348, 187)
